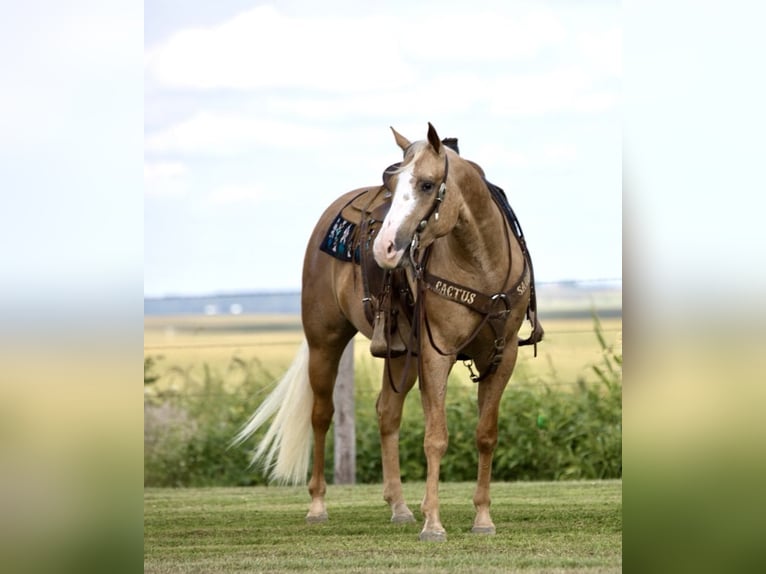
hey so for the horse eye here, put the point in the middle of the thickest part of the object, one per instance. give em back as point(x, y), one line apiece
point(426, 186)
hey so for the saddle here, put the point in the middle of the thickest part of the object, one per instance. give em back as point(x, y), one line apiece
point(388, 301)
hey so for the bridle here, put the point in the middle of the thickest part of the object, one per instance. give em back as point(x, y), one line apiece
point(433, 212)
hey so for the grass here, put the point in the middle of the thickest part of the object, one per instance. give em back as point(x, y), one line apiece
point(541, 527)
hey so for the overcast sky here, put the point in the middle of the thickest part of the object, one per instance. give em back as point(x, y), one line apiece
point(259, 114)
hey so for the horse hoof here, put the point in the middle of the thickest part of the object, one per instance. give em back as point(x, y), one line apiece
point(316, 518)
point(433, 536)
point(403, 518)
point(483, 530)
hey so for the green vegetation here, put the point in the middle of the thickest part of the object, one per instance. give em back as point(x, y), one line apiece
point(567, 526)
point(552, 429)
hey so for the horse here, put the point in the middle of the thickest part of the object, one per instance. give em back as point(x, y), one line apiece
point(468, 285)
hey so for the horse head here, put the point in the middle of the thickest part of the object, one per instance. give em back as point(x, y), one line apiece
point(422, 208)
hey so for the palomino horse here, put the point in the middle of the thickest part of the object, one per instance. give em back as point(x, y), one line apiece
point(470, 283)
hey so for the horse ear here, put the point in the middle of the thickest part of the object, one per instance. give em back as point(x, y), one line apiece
point(433, 138)
point(401, 141)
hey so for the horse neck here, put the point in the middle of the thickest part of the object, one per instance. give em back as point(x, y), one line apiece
point(477, 242)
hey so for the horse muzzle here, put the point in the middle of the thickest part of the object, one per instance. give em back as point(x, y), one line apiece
point(387, 251)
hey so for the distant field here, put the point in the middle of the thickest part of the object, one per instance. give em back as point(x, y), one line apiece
point(183, 345)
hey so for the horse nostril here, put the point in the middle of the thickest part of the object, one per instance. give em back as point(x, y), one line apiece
point(391, 248)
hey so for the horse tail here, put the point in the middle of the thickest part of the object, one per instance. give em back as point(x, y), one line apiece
point(289, 436)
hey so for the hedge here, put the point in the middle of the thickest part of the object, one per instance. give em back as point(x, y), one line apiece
point(550, 431)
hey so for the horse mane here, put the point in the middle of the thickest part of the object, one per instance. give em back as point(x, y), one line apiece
point(398, 167)
point(477, 167)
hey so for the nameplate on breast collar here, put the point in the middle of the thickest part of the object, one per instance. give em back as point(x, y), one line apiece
point(455, 292)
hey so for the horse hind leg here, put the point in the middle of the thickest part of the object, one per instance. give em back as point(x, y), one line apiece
point(323, 369)
point(389, 410)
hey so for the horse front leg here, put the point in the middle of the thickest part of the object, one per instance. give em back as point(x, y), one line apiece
point(433, 395)
point(389, 409)
point(490, 393)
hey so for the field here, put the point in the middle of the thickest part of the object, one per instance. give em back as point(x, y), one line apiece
point(541, 527)
point(182, 345)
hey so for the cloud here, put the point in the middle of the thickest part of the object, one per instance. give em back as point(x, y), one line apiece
point(563, 89)
point(448, 93)
point(551, 155)
point(225, 133)
point(602, 50)
point(508, 33)
point(299, 76)
point(262, 48)
point(164, 178)
point(163, 170)
point(235, 195)
point(558, 154)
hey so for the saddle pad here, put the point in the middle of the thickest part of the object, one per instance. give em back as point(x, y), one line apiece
point(339, 239)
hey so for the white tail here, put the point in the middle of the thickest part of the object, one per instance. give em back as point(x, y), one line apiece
point(289, 436)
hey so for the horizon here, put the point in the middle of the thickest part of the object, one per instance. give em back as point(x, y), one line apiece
point(290, 291)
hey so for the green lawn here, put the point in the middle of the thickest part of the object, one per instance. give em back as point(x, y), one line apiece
point(541, 527)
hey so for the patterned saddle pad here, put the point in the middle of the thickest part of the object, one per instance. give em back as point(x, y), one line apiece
point(339, 241)
point(343, 237)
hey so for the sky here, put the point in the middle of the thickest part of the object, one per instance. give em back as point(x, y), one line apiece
point(258, 114)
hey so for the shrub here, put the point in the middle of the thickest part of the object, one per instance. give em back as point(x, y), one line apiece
point(187, 435)
point(550, 431)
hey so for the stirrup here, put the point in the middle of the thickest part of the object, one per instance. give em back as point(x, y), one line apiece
point(383, 346)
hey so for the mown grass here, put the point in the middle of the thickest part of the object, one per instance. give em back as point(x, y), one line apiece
point(541, 527)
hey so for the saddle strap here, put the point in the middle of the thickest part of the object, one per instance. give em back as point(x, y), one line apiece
point(501, 200)
point(365, 239)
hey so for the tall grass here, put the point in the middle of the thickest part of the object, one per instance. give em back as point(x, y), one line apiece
point(551, 431)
